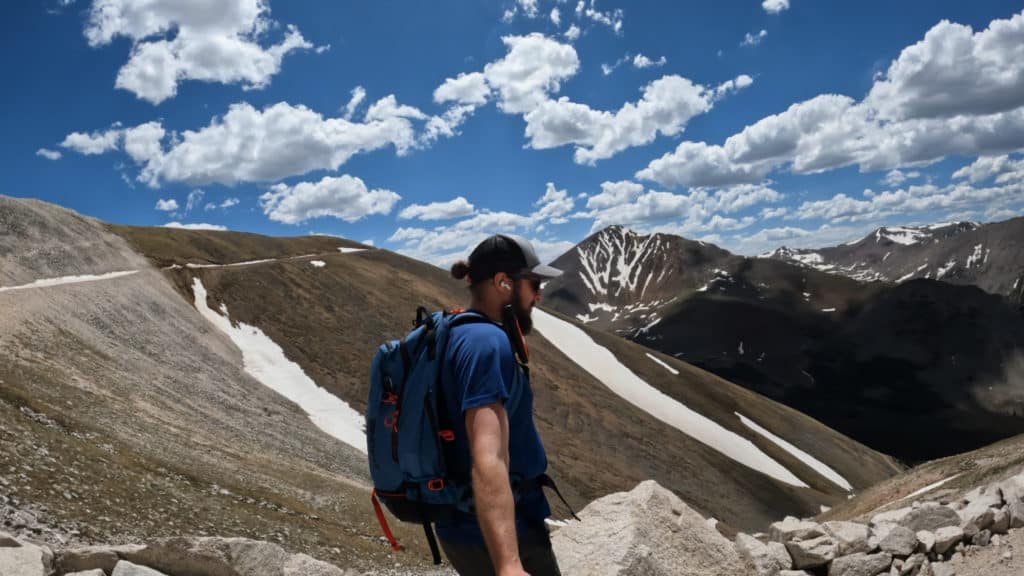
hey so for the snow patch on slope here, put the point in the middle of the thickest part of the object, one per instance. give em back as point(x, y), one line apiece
point(928, 488)
point(976, 256)
point(901, 235)
point(818, 466)
point(943, 270)
point(265, 361)
point(47, 282)
point(662, 363)
point(600, 363)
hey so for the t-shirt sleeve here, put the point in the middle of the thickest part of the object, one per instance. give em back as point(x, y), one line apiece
point(478, 369)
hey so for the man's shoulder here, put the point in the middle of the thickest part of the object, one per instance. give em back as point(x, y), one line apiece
point(479, 336)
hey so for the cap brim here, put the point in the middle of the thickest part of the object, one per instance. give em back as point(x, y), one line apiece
point(543, 271)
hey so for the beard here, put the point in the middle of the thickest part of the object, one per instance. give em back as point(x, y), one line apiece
point(524, 317)
point(514, 311)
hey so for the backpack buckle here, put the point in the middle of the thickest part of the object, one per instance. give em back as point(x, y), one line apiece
point(447, 435)
point(435, 485)
point(392, 421)
point(390, 398)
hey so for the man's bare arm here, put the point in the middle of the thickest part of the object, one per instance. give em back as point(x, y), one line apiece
point(487, 428)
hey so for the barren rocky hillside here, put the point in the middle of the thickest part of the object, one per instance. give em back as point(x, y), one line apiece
point(143, 391)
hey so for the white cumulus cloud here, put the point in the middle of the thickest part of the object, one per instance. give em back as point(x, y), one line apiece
point(345, 197)
point(358, 95)
point(641, 61)
point(775, 6)
point(251, 145)
point(754, 39)
point(442, 245)
point(455, 208)
point(1002, 167)
point(212, 41)
point(169, 205)
point(227, 203)
point(196, 226)
point(195, 197)
point(666, 106)
point(48, 154)
point(956, 92)
point(553, 205)
point(93, 143)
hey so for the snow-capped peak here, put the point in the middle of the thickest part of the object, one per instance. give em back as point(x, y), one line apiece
point(618, 262)
point(905, 235)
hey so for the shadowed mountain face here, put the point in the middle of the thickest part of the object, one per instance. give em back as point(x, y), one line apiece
point(918, 370)
point(990, 256)
point(160, 405)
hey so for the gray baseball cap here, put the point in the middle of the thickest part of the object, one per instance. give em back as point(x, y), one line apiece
point(510, 254)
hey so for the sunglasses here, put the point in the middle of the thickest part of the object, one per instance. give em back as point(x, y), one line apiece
point(533, 280)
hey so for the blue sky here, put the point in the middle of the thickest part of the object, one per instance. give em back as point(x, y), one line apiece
point(750, 124)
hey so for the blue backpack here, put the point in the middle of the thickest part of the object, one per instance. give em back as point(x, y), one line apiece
point(405, 436)
point(407, 432)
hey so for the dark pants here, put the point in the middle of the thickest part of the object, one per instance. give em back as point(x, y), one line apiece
point(534, 551)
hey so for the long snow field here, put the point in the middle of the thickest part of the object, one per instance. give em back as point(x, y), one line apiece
point(265, 361)
point(47, 282)
point(602, 364)
point(818, 466)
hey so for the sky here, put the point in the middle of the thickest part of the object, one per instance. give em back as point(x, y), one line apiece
point(749, 124)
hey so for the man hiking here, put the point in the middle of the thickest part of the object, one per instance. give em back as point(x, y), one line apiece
point(489, 401)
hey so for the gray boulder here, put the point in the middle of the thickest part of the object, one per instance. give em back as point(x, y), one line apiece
point(899, 541)
point(794, 573)
point(26, 560)
point(93, 557)
point(892, 516)
point(96, 572)
point(228, 556)
point(1000, 521)
point(860, 564)
point(812, 553)
point(925, 541)
point(914, 564)
point(989, 496)
point(767, 559)
point(8, 541)
point(930, 516)
point(878, 532)
point(850, 537)
point(947, 538)
point(303, 565)
point(126, 568)
point(979, 509)
point(792, 528)
point(942, 569)
point(978, 515)
point(648, 530)
point(1013, 494)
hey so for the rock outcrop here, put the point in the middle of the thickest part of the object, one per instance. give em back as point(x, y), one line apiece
point(649, 531)
point(207, 556)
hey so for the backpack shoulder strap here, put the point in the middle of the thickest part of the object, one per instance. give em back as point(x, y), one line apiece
point(460, 317)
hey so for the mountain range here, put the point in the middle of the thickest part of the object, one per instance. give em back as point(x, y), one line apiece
point(874, 359)
point(965, 253)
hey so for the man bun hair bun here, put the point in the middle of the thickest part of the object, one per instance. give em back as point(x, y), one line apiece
point(460, 269)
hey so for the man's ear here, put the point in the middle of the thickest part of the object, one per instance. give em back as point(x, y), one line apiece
point(503, 282)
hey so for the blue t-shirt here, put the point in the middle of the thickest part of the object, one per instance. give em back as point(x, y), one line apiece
point(480, 369)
